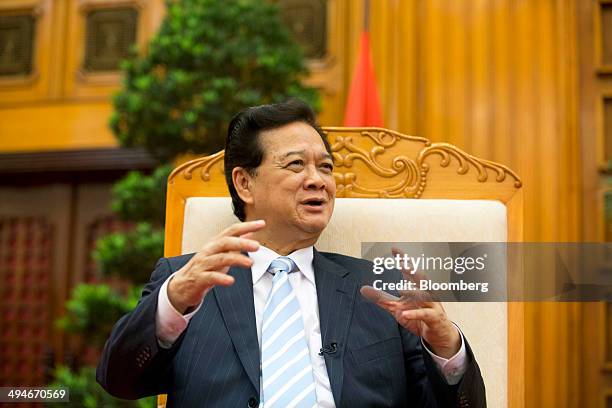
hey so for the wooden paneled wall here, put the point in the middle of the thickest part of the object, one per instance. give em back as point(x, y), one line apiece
point(60, 105)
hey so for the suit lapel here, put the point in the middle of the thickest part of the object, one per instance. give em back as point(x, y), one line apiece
point(238, 311)
point(336, 290)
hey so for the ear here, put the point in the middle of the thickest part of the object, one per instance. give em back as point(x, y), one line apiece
point(243, 183)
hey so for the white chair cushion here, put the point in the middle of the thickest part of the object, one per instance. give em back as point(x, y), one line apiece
point(358, 220)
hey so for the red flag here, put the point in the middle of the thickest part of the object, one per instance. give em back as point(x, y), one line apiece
point(363, 104)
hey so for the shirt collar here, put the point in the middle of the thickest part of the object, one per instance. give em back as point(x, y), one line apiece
point(263, 257)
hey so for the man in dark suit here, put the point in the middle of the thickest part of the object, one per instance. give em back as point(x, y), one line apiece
point(258, 317)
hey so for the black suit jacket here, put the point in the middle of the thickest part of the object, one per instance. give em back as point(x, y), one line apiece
point(215, 362)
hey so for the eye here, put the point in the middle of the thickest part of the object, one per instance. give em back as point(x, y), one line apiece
point(328, 166)
point(296, 163)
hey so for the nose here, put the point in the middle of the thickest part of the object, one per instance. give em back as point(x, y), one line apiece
point(313, 180)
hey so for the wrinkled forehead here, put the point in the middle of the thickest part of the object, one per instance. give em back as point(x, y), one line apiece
point(288, 154)
point(296, 138)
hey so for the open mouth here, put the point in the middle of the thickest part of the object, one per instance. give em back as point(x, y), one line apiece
point(314, 202)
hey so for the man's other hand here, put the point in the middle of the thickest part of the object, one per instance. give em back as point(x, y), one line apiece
point(421, 313)
point(210, 265)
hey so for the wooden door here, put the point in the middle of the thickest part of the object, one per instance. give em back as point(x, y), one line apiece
point(34, 237)
point(47, 233)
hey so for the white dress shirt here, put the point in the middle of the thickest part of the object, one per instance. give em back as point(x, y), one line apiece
point(170, 323)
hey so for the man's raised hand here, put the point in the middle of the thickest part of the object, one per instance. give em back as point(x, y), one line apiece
point(209, 267)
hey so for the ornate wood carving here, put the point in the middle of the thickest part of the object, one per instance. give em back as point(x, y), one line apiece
point(464, 159)
point(110, 34)
point(411, 172)
point(606, 155)
point(17, 44)
point(346, 151)
point(605, 43)
point(203, 165)
point(393, 170)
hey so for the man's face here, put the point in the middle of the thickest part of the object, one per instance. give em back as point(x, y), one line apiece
point(294, 188)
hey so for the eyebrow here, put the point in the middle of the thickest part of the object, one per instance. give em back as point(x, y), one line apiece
point(301, 152)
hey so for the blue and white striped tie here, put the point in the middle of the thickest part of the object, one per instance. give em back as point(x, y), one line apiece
point(286, 369)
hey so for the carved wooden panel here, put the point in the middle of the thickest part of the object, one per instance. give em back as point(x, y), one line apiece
point(307, 20)
point(26, 255)
point(605, 42)
point(400, 163)
point(29, 51)
point(607, 129)
point(109, 35)
point(99, 35)
point(381, 163)
point(16, 44)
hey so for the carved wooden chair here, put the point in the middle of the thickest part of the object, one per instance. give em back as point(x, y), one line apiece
point(442, 194)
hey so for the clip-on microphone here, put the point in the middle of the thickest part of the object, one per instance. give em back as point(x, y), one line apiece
point(329, 349)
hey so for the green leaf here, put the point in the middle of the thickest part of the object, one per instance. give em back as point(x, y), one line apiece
point(130, 255)
point(142, 198)
point(92, 310)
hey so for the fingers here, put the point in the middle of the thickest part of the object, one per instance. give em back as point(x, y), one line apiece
point(224, 260)
point(375, 295)
point(230, 244)
point(241, 228)
point(248, 235)
point(405, 305)
point(426, 314)
point(431, 317)
point(421, 297)
point(404, 315)
point(217, 278)
point(397, 306)
point(209, 267)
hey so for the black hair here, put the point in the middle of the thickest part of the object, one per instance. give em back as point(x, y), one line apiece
point(242, 147)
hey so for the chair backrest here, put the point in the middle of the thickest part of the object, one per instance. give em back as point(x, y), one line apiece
point(392, 188)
